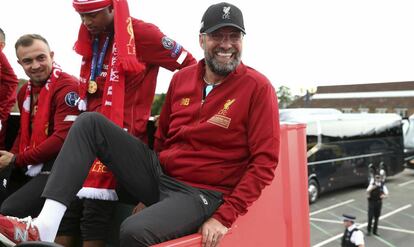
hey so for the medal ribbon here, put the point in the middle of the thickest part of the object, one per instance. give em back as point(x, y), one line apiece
point(97, 68)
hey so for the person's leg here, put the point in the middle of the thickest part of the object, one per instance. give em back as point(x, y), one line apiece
point(67, 241)
point(27, 200)
point(374, 230)
point(94, 243)
point(5, 174)
point(180, 211)
point(370, 216)
point(135, 166)
point(162, 221)
point(96, 221)
point(14, 181)
point(92, 135)
point(69, 229)
point(377, 213)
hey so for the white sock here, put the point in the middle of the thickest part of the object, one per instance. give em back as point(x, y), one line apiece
point(49, 219)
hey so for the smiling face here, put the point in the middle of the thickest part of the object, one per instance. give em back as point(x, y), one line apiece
point(99, 21)
point(36, 60)
point(222, 49)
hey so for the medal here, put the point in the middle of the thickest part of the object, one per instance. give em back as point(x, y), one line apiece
point(92, 87)
point(97, 63)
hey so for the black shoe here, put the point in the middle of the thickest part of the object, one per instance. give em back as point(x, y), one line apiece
point(368, 234)
point(377, 234)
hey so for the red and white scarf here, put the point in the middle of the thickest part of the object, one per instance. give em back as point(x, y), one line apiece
point(100, 183)
point(40, 128)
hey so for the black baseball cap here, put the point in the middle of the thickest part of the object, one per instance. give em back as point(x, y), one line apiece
point(222, 15)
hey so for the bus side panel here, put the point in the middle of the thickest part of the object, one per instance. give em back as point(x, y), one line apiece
point(397, 158)
point(343, 162)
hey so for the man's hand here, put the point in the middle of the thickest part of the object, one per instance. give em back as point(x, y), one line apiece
point(138, 208)
point(5, 159)
point(212, 231)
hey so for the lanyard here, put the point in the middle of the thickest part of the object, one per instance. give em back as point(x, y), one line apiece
point(97, 68)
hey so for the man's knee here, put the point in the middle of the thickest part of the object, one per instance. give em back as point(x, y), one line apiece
point(87, 117)
point(134, 233)
point(87, 120)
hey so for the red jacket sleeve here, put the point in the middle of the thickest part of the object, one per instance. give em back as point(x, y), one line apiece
point(8, 85)
point(154, 47)
point(62, 117)
point(263, 139)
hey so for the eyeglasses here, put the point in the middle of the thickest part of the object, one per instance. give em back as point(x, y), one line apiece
point(233, 37)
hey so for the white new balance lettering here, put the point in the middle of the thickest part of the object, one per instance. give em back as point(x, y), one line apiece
point(20, 234)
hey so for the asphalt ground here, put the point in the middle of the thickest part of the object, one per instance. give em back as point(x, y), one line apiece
point(396, 225)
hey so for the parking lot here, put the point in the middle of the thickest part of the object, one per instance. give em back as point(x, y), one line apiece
point(396, 226)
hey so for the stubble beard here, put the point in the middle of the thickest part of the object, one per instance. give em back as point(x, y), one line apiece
point(220, 68)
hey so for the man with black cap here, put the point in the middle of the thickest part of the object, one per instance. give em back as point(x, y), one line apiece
point(352, 237)
point(216, 147)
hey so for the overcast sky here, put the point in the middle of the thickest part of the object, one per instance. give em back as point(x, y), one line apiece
point(296, 43)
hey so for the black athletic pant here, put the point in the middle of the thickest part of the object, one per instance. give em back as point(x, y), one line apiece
point(174, 209)
point(374, 212)
point(27, 200)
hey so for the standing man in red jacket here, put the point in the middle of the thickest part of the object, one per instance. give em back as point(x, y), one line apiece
point(217, 148)
point(121, 59)
point(8, 85)
point(47, 111)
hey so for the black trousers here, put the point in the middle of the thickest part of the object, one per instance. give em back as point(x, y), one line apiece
point(173, 209)
point(374, 212)
point(89, 219)
point(26, 201)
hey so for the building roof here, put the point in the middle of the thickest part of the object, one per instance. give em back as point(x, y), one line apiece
point(341, 124)
point(369, 87)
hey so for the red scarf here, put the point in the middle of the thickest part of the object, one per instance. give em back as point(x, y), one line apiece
point(100, 183)
point(40, 126)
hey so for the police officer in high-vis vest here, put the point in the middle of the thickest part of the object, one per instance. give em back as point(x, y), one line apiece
point(376, 192)
point(353, 237)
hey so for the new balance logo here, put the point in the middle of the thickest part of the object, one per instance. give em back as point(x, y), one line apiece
point(20, 234)
point(203, 199)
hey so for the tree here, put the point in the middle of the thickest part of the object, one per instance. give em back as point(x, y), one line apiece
point(284, 96)
point(157, 104)
point(21, 83)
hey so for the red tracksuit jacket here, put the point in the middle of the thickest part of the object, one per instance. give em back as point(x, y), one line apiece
point(8, 85)
point(62, 114)
point(154, 50)
point(230, 143)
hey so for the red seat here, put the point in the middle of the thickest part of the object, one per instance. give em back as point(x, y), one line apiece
point(280, 217)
